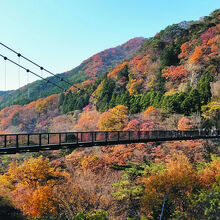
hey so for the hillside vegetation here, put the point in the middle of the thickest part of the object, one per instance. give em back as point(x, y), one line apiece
point(92, 67)
point(171, 82)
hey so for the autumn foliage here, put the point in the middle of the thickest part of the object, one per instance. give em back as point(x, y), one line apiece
point(197, 54)
point(184, 124)
point(88, 120)
point(177, 173)
point(118, 68)
point(175, 73)
point(111, 57)
point(113, 120)
point(171, 82)
point(185, 50)
point(30, 186)
point(48, 103)
point(177, 179)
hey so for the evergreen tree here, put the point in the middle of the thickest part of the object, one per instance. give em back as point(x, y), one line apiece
point(112, 102)
point(204, 88)
point(105, 94)
point(169, 55)
point(145, 100)
point(191, 103)
point(135, 104)
point(61, 99)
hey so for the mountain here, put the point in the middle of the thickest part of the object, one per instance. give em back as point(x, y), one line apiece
point(4, 93)
point(101, 62)
point(176, 71)
point(172, 82)
point(92, 67)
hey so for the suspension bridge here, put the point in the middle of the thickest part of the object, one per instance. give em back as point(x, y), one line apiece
point(34, 142)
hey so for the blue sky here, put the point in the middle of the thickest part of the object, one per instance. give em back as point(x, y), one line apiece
point(59, 35)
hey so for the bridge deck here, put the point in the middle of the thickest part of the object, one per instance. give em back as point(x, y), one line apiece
point(33, 142)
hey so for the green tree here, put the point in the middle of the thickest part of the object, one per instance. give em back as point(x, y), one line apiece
point(61, 99)
point(157, 100)
point(204, 88)
point(191, 103)
point(128, 190)
point(173, 103)
point(169, 55)
point(145, 100)
point(112, 102)
point(123, 73)
point(206, 204)
point(123, 99)
point(95, 215)
point(134, 104)
point(105, 94)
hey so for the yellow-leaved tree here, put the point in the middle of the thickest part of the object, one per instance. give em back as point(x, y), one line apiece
point(211, 110)
point(114, 119)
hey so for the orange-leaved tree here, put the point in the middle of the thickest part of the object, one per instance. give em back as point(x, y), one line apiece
point(117, 69)
point(175, 73)
point(184, 124)
point(197, 54)
point(149, 109)
point(88, 120)
point(176, 179)
point(209, 174)
point(185, 50)
point(30, 186)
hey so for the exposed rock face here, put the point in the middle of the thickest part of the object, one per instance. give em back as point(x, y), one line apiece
point(215, 89)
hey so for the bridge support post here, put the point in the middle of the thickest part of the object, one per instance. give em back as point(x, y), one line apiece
point(106, 136)
point(39, 139)
point(17, 144)
point(65, 137)
point(139, 135)
point(5, 141)
point(28, 140)
point(48, 138)
point(77, 138)
point(59, 138)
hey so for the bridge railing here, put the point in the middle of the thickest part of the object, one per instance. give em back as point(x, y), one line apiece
point(58, 139)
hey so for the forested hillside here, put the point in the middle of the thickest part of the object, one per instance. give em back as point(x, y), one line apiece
point(92, 67)
point(171, 82)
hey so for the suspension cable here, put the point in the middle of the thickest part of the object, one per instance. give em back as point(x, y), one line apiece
point(28, 94)
point(27, 70)
point(41, 68)
point(19, 77)
point(5, 72)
